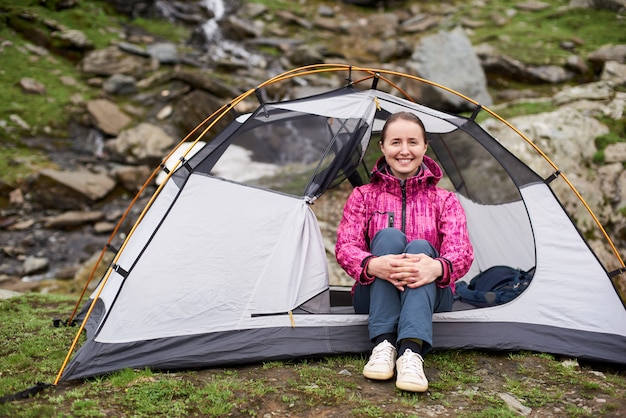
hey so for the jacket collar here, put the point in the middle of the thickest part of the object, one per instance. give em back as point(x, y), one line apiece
point(429, 172)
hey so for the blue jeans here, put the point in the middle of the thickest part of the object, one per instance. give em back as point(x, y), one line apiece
point(407, 314)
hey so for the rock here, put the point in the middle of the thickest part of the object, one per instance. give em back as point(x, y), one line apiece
point(32, 86)
point(142, 144)
point(448, 58)
point(71, 39)
point(614, 5)
point(85, 270)
point(165, 112)
point(73, 219)
point(602, 90)
point(514, 405)
point(291, 18)
point(19, 122)
point(615, 153)
point(132, 177)
point(325, 11)
point(549, 74)
point(193, 108)
point(34, 265)
point(103, 227)
point(22, 225)
point(163, 52)
point(609, 176)
point(205, 82)
point(532, 6)
point(6, 294)
point(112, 60)
point(606, 53)
point(238, 29)
point(305, 55)
point(107, 116)
point(120, 84)
point(419, 23)
point(16, 197)
point(253, 10)
point(68, 190)
point(613, 70)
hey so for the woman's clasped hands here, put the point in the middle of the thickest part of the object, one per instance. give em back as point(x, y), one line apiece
point(405, 270)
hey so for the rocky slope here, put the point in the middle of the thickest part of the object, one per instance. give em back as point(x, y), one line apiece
point(151, 91)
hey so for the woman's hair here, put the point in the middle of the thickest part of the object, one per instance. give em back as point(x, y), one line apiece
point(411, 117)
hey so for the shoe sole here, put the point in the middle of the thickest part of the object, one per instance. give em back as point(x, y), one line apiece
point(378, 375)
point(411, 387)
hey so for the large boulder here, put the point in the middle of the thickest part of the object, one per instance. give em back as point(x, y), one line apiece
point(447, 58)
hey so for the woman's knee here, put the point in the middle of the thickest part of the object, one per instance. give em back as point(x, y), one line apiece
point(388, 241)
point(421, 246)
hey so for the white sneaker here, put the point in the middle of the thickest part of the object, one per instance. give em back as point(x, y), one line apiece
point(381, 363)
point(411, 375)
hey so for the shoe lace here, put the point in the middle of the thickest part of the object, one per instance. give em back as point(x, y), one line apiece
point(382, 353)
point(412, 363)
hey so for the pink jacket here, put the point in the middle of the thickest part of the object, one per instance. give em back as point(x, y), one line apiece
point(428, 212)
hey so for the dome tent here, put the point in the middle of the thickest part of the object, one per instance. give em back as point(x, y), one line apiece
point(223, 267)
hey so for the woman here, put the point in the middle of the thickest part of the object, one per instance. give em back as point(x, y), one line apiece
point(405, 242)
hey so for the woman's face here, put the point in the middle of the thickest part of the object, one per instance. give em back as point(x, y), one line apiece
point(404, 146)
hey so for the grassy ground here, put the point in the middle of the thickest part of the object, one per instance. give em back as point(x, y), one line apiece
point(462, 383)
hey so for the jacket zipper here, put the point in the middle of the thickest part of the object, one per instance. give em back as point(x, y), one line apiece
point(403, 188)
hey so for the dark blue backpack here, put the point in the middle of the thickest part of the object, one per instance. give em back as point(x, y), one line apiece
point(494, 286)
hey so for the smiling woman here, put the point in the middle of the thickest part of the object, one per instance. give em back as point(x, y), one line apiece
point(404, 144)
point(405, 242)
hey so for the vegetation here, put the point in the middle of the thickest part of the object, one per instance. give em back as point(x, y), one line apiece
point(465, 384)
point(534, 37)
point(462, 383)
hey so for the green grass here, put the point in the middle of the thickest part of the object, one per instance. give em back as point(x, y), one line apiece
point(31, 351)
point(536, 37)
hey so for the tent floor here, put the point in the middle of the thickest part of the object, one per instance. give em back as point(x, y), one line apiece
point(341, 301)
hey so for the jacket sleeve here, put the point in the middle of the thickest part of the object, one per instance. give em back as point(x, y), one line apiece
point(456, 247)
point(352, 250)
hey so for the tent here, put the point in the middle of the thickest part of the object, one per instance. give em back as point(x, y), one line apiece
point(226, 263)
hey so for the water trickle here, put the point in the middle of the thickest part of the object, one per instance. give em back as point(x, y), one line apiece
point(210, 27)
point(220, 48)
